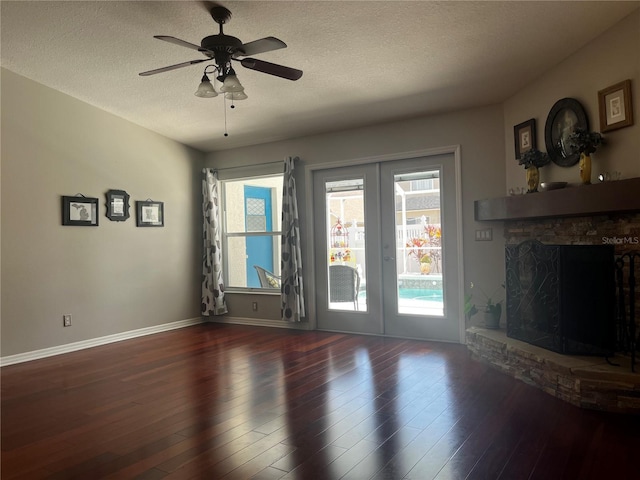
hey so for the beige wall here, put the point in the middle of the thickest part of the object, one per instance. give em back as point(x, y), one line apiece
point(607, 60)
point(479, 132)
point(112, 278)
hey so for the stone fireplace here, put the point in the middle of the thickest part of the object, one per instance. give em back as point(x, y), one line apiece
point(608, 215)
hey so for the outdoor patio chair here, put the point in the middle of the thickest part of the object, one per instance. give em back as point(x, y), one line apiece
point(267, 279)
point(344, 283)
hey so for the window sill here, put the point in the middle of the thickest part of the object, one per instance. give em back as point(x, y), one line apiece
point(253, 291)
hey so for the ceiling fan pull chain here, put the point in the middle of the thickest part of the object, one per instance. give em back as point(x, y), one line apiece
point(225, 116)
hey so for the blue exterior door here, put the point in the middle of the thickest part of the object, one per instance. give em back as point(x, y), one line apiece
point(257, 217)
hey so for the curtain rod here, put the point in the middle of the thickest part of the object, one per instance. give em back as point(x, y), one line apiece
point(247, 166)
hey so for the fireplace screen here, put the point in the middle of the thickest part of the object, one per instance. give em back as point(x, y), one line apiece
point(561, 297)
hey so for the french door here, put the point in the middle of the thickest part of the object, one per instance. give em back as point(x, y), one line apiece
point(387, 248)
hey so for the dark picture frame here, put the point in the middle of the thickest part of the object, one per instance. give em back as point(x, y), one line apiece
point(615, 106)
point(117, 205)
point(149, 213)
point(524, 137)
point(79, 211)
point(564, 117)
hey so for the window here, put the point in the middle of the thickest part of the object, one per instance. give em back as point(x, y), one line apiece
point(425, 184)
point(251, 232)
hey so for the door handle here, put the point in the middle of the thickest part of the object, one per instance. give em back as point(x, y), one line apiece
point(387, 258)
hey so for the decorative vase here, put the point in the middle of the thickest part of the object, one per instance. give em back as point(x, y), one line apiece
point(585, 168)
point(533, 179)
point(425, 268)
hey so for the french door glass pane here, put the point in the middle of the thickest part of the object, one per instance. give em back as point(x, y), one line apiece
point(418, 243)
point(346, 265)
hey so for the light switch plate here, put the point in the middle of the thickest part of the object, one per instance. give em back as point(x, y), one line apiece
point(484, 235)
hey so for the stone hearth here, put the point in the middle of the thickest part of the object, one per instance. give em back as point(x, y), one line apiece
point(584, 381)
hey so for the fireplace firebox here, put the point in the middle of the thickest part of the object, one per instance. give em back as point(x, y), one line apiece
point(562, 297)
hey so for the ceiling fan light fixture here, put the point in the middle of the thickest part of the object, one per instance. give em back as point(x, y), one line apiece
point(231, 83)
point(205, 89)
point(235, 96)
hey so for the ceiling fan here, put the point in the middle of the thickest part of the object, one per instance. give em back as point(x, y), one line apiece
point(223, 49)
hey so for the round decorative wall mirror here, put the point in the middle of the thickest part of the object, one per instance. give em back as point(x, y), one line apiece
point(565, 116)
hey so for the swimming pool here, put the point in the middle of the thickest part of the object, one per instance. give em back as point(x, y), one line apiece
point(421, 294)
point(425, 294)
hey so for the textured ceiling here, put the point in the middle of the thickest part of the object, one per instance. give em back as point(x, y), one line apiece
point(364, 62)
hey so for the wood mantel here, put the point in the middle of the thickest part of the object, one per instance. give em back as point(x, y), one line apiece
point(597, 199)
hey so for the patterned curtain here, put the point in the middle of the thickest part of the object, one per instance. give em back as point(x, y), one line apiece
point(212, 284)
point(291, 263)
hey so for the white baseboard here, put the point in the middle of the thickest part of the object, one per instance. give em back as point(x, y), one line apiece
point(258, 322)
point(94, 342)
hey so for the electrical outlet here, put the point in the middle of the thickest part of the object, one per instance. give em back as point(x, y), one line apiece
point(66, 320)
point(254, 305)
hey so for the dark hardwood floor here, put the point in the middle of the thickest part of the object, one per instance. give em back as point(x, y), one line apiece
point(231, 402)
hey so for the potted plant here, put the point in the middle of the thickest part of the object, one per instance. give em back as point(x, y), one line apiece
point(425, 264)
point(532, 160)
point(416, 247)
point(492, 310)
point(585, 143)
point(425, 249)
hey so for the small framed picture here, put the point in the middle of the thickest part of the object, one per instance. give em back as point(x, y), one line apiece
point(524, 137)
point(614, 105)
point(80, 211)
point(117, 205)
point(149, 213)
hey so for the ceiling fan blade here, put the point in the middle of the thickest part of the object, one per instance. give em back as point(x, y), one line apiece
point(173, 67)
point(177, 41)
point(271, 68)
point(262, 45)
point(208, 5)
